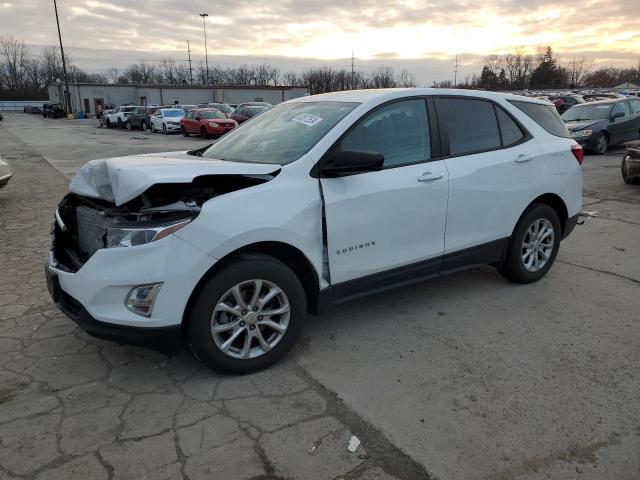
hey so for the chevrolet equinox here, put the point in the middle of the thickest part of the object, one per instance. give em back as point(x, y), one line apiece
point(317, 201)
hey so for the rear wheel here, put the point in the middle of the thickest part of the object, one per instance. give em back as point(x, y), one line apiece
point(129, 127)
point(143, 125)
point(204, 133)
point(120, 124)
point(533, 246)
point(248, 315)
point(602, 143)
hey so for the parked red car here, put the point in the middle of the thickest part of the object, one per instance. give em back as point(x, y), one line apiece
point(206, 122)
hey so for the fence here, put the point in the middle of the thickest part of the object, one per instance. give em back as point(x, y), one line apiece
point(18, 105)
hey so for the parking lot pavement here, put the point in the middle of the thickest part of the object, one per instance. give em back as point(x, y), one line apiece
point(468, 377)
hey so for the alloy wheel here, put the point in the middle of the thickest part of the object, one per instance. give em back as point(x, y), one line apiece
point(250, 319)
point(537, 245)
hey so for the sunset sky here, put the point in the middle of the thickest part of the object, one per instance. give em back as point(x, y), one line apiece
point(422, 36)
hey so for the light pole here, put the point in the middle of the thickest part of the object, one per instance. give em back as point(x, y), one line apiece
point(206, 55)
point(67, 98)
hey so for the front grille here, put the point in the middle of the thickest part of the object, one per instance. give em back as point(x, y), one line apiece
point(92, 228)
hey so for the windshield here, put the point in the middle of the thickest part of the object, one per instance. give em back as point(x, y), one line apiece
point(282, 134)
point(587, 112)
point(173, 113)
point(213, 114)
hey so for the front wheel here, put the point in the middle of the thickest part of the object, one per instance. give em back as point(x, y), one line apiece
point(533, 246)
point(248, 315)
point(184, 131)
point(108, 123)
point(164, 129)
point(129, 126)
point(153, 128)
point(602, 144)
point(628, 179)
point(143, 125)
point(204, 133)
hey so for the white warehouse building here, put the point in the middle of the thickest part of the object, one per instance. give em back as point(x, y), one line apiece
point(85, 97)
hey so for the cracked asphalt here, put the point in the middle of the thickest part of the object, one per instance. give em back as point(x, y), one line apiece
point(467, 377)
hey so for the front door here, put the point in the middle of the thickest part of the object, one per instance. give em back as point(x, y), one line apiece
point(621, 129)
point(378, 221)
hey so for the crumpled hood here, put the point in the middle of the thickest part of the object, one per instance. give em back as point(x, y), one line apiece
point(576, 126)
point(121, 179)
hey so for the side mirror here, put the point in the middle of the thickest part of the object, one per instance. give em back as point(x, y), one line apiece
point(616, 115)
point(352, 162)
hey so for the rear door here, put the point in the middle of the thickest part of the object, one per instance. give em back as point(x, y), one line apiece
point(378, 221)
point(494, 171)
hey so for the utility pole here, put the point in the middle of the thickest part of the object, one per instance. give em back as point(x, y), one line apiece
point(353, 71)
point(190, 69)
point(67, 99)
point(206, 55)
point(455, 74)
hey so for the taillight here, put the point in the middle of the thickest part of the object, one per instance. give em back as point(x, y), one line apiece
point(578, 152)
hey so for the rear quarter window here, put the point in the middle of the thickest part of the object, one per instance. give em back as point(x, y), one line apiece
point(544, 115)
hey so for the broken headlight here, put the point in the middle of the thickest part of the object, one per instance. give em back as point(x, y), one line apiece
point(130, 237)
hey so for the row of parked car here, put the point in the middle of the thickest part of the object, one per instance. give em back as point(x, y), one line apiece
point(205, 119)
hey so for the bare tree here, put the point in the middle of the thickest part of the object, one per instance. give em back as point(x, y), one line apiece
point(405, 79)
point(578, 72)
point(383, 77)
point(494, 63)
point(113, 74)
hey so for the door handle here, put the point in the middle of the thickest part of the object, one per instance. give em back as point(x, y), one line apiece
point(430, 177)
point(522, 158)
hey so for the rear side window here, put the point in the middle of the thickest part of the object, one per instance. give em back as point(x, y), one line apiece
point(635, 105)
point(544, 115)
point(471, 124)
point(511, 132)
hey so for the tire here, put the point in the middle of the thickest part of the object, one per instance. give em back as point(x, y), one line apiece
point(184, 131)
point(602, 144)
point(204, 133)
point(628, 179)
point(245, 271)
point(514, 267)
point(120, 124)
point(129, 126)
point(108, 123)
point(143, 125)
point(164, 129)
point(153, 128)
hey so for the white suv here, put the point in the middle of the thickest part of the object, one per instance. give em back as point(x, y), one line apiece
point(319, 200)
point(118, 116)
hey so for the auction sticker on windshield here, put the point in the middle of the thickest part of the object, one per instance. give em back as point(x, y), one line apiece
point(307, 119)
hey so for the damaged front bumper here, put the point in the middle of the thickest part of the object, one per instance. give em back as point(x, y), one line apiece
point(95, 291)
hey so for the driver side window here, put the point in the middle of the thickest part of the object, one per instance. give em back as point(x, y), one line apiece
point(621, 107)
point(400, 131)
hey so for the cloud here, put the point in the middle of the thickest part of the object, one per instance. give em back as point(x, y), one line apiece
point(425, 34)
